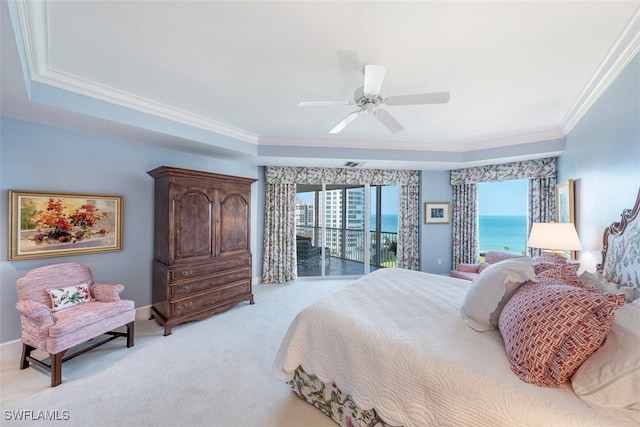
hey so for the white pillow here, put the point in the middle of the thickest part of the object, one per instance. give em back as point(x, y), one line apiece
point(598, 281)
point(610, 377)
point(490, 291)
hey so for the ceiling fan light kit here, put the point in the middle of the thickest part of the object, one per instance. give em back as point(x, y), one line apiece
point(370, 97)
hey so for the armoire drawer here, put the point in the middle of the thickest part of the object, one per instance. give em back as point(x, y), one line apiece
point(199, 270)
point(206, 300)
point(199, 284)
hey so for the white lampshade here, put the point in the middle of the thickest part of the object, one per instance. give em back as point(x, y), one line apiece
point(554, 236)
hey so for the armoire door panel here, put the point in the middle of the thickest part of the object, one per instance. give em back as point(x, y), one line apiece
point(193, 222)
point(234, 218)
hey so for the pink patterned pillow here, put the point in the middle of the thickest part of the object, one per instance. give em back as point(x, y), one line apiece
point(549, 330)
point(540, 267)
point(550, 258)
point(565, 274)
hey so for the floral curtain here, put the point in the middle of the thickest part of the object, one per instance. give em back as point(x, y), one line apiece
point(541, 174)
point(279, 260)
point(319, 176)
point(528, 169)
point(465, 223)
point(408, 252)
point(279, 264)
point(542, 206)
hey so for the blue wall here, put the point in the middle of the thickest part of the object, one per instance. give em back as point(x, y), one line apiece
point(602, 156)
point(44, 158)
point(436, 240)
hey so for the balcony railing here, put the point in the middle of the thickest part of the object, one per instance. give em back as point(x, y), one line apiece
point(349, 244)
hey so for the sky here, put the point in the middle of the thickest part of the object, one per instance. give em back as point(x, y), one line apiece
point(390, 199)
point(503, 198)
point(495, 198)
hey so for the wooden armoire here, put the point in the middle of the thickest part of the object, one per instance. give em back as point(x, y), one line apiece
point(202, 247)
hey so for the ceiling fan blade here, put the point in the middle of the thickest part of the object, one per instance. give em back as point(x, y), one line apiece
point(419, 98)
point(373, 77)
point(387, 119)
point(343, 124)
point(323, 103)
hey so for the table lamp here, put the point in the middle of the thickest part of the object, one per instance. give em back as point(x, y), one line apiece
point(554, 237)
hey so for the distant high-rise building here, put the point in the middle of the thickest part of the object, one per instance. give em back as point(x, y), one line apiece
point(305, 214)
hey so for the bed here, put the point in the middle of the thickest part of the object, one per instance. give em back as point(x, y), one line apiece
point(397, 348)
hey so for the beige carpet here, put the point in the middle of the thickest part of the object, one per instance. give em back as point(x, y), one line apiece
point(213, 372)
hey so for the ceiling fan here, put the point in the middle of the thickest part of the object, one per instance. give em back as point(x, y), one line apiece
point(369, 98)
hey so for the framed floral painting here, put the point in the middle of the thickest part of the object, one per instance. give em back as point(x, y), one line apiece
point(60, 224)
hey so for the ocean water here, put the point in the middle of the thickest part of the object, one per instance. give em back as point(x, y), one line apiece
point(500, 232)
point(496, 232)
point(389, 223)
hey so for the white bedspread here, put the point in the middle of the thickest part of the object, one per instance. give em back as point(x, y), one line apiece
point(394, 340)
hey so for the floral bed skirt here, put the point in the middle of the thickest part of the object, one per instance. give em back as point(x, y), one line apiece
point(329, 399)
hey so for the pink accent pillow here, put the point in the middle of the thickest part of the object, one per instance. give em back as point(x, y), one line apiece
point(468, 268)
point(549, 330)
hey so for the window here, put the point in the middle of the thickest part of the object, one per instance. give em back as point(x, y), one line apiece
point(503, 216)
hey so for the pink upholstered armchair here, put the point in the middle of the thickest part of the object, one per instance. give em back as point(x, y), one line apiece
point(471, 271)
point(60, 307)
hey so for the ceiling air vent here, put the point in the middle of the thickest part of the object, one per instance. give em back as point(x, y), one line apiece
point(353, 164)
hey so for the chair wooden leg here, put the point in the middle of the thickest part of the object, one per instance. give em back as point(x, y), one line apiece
point(130, 330)
point(56, 368)
point(26, 352)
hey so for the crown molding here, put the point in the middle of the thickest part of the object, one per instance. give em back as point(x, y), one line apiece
point(33, 21)
point(113, 96)
point(34, 28)
point(489, 143)
point(625, 48)
point(465, 146)
point(354, 143)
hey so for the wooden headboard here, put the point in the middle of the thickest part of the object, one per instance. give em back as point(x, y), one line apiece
point(621, 249)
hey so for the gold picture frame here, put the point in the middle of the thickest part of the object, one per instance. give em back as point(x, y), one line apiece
point(565, 205)
point(437, 212)
point(565, 202)
point(47, 224)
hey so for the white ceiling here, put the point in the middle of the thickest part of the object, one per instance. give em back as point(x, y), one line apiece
point(224, 78)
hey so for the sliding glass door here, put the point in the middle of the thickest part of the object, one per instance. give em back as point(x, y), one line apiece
point(345, 230)
point(384, 225)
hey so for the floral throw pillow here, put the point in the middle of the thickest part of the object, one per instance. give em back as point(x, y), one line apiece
point(69, 296)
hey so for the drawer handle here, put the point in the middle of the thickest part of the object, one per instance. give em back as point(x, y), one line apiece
point(187, 287)
point(241, 275)
point(187, 304)
point(187, 272)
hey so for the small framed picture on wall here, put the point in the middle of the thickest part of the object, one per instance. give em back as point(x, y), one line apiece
point(437, 213)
